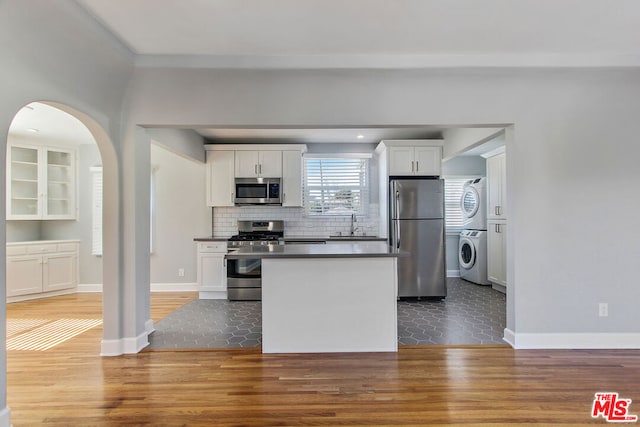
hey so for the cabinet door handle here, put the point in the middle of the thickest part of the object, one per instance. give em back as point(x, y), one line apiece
point(412, 162)
point(496, 210)
point(284, 197)
point(232, 198)
point(260, 168)
point(417, 166)
point(255, 169)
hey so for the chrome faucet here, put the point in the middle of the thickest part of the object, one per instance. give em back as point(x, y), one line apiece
point(353, 223)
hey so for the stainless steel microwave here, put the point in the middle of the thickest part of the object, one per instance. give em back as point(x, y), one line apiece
point(258, 191)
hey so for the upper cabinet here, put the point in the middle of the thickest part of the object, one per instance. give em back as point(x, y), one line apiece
point(41, 183)
point(292, 178)
point(250, 164)
point(496, 187)
point(220, 178)
point(412, 157)
point(227, 162)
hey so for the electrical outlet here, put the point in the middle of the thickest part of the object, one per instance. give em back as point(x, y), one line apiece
point(181, 272)
point(603, 309)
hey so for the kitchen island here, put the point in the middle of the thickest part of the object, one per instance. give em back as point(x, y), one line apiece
point(327, 298)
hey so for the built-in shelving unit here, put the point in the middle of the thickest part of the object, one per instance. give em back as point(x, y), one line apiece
point(41, 183)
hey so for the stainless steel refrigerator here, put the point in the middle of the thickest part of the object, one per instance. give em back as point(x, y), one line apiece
point(416, 226)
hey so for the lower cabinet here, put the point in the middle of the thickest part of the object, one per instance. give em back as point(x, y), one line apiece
point(40, 269)
point(212, 270)
point(496, 252)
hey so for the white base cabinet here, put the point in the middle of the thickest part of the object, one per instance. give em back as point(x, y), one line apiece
point(212, 270)
point(42, 268)
point(497, 252)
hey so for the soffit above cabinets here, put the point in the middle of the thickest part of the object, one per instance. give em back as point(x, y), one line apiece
point(367, 135)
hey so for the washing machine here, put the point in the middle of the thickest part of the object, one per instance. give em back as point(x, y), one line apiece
point(473, 204)
point(472, 256)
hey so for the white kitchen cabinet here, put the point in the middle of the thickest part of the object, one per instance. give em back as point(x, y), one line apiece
point(292, 178)
point(41, 183)
point(496, 187)
point(212, 270)
point(40, 269)
point(220, 178)
point(497, 251)
point(415, 160)
point(251, 164)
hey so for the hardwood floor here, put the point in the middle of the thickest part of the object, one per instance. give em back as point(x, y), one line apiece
point(70, 385)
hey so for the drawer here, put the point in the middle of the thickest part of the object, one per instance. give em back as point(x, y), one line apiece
point(67, 247)
point(16, 250)
point(212, 247)
point(42, 249)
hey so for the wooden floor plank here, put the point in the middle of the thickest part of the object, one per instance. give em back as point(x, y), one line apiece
point(432, 385)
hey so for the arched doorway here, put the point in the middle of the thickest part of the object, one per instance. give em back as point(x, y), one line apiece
point(34, 200)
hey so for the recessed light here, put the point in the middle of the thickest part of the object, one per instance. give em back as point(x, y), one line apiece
point(360, 136)
point(33, 130)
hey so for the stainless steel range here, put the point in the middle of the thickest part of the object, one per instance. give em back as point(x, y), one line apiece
point(244, 276)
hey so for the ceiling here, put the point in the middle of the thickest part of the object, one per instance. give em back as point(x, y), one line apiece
point(42, 122)
point(356, 33)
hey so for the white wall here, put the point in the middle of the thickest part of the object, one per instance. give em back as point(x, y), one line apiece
point(180, 214)
point(465, 166)
point(51, 51)
point(571, 127)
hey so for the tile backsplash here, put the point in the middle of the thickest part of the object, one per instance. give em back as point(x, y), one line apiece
point(225, 221)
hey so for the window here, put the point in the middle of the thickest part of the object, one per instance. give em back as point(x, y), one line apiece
point(453, 187)
point(96, 214)
point(335, 185)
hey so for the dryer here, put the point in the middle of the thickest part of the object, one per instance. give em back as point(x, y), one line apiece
point(472, 256)
point(473, 204)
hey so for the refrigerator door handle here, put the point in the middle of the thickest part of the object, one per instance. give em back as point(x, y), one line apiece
point(397, 208)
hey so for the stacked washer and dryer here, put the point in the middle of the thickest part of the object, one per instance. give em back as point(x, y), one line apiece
point(472, 250)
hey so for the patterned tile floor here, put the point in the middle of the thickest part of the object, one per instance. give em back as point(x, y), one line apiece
point(471, 314)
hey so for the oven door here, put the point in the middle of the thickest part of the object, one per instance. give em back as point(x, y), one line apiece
point(244, 279)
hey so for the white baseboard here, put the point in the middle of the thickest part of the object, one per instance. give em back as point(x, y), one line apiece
point(509, 337)
point(5, 417)
point(111, 348)
point(89, 287)
point(212, 295)
point(124, 345)
point(453, 273)
point(134, 345)
point(149, 327)
point(174, 287)
point(572, 340)
point(155, 287)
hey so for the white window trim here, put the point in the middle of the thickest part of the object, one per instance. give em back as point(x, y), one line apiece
point(365, 192)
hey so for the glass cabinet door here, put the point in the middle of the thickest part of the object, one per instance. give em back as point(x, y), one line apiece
point(59, 201)
point(24, 182)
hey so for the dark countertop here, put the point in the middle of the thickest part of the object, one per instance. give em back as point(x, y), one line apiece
point(210, 239)
point(334, 239)
point(303, 239)
point(330, 250)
